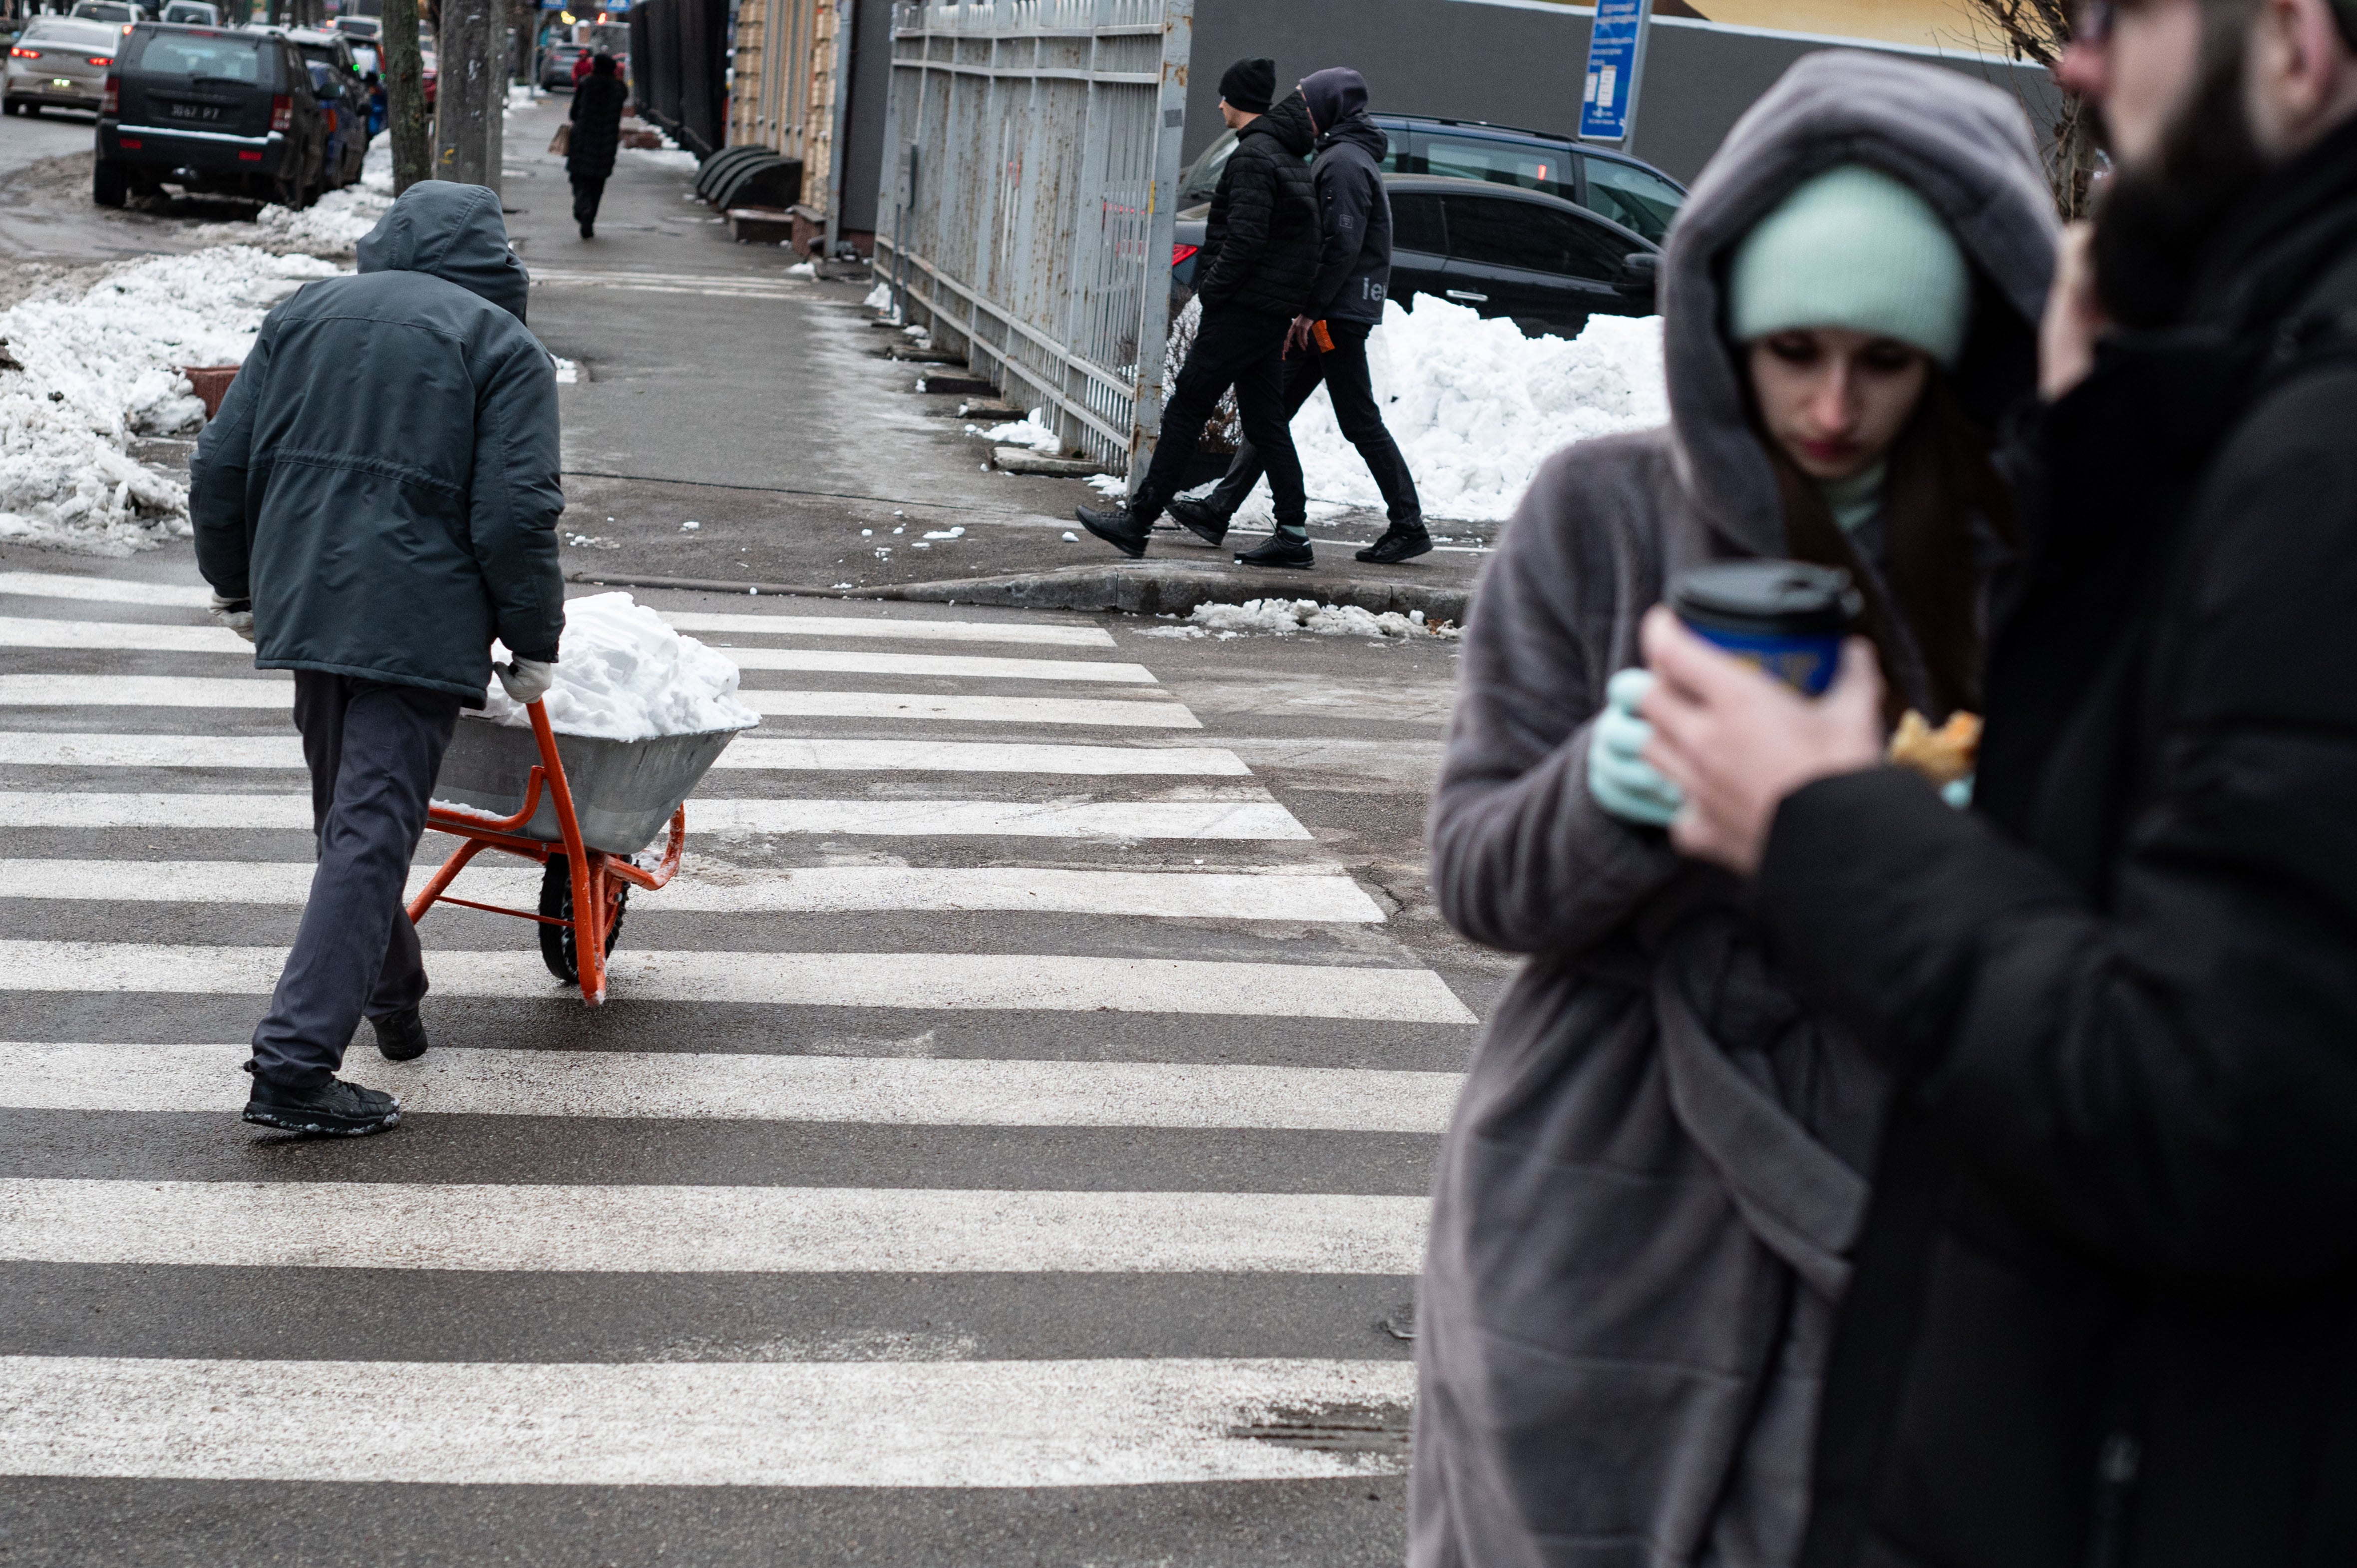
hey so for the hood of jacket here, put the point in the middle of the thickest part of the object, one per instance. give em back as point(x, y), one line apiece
point(1964, 146)
point(454, 232)
point(1334, 94)
point(1288, 122)
point(1360, 131)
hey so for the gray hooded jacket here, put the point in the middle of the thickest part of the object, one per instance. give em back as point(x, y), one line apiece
point(382, 479)
point(1646, 1199)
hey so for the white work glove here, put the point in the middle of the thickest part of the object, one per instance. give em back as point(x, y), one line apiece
point(526, 680)
point(1622, 781)
point(235, 613)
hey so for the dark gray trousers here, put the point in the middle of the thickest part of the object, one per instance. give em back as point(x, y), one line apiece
point(373, 751)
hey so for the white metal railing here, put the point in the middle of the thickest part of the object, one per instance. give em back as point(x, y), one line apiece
point(1025, 214)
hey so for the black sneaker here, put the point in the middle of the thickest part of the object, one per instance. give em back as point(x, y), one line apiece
point(1117, 527)
point(1282, 550)
point(588, 230)
point(401, 1037)
point(1401, 541)
point(334, 1110)
point(1198, 518)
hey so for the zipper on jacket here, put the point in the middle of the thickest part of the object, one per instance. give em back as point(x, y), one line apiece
point(2115, 1473)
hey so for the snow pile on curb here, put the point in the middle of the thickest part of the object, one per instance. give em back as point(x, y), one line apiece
point(103, 368)
point(1031, 431)
point(623, 674)
point(1284, 618)
point(1476, 406)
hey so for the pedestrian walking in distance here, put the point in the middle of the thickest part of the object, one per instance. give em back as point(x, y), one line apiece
point(1259, 257)
point(1329, 341)
point(598, 104)
point(1644, 1213)
point(377, 501)
point(2105, 1307)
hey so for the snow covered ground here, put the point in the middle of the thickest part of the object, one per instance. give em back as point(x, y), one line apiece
point(1476, 407)
point(1285, 618)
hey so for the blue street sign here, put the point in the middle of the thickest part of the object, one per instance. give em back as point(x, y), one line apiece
point(1616, 62)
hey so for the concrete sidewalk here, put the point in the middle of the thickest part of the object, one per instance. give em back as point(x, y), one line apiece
point(718, 391)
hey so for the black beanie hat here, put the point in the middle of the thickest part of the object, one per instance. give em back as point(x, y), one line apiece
point(1250, 85)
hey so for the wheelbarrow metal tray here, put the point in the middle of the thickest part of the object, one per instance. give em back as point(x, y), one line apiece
point(624, 791)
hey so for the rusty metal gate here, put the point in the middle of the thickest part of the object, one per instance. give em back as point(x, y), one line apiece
point(1025, 218)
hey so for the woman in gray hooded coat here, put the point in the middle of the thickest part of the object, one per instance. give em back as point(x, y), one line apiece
point(1646, 1199)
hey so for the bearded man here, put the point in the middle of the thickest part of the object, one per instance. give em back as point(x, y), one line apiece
point(2104, 1310)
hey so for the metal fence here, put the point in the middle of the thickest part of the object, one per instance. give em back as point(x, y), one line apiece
point(1026, 210)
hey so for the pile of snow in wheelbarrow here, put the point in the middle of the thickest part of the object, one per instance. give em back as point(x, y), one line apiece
point(623, 673)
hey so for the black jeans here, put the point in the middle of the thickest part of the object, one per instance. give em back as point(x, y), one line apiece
point(1352, 390)
point(585, 195)
point(373, 751)
point(1244, 348)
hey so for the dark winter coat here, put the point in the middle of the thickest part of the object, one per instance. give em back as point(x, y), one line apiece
point(2106, 1303)
point(598, 105)
point(1354, 223)
point(382, 479)
point(1260, 244)
point(1646, 1199)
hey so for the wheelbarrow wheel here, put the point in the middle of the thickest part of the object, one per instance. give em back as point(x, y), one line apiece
point(557, 945)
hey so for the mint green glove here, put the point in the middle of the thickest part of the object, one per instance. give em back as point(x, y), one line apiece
point(1958, 793)
point(1622, 781)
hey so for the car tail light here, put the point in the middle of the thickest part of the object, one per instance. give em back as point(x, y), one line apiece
point(102, 59)
point(111, 100)
point(133, 142)
point(282, 113)
point(244, 157)
point(24, 54)
point(1181, 252)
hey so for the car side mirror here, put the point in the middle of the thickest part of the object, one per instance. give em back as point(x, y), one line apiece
point(1640, 273)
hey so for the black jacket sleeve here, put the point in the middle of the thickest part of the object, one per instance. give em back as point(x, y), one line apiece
point(2168, 1074)
point(1346, 191)
point(218, 476)
point(1250, 211)
point(517, 496)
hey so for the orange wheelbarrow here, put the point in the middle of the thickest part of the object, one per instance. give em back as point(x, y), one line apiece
point(588, 875)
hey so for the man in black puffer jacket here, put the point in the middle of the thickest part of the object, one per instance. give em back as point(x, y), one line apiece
point(1329, 343)
point(1259, 257)
point(377, 501)
point(2103, 1309)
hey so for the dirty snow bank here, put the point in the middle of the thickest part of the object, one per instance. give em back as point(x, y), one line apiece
point(623, 674)
point(1031, 431)
point(1476, 406)
point(1284, 618)
point(102, 369)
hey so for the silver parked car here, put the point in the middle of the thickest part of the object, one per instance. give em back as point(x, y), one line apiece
point(59, 62)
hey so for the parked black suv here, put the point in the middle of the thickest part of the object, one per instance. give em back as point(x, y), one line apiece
point(1632, 193)
point(210, 109)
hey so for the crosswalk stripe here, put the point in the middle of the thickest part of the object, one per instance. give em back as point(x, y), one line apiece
point(1110, 713)
point(691, 1230)
point(265, 688)
point(1053, 636)
point(746, 890)
point(103, 590)
point(1261, 819)
point(954, 981)
point(140, 636)
point(21, 748)
point(687, 1424)
point(766, 1087)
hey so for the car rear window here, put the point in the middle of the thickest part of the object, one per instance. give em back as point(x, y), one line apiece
point(1531, 165)
point(1415, 223)
point(1503, 232)
point(66, 35)
point(195, 57)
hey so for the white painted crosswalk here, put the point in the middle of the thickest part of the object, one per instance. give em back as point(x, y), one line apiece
point(1003, 984)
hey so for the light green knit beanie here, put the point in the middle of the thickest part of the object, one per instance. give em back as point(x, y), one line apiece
point(1852, 247)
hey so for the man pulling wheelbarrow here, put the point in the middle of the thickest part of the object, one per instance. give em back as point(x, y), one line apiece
point(376, 502)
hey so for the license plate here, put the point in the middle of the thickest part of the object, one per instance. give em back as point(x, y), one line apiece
point(192, 112)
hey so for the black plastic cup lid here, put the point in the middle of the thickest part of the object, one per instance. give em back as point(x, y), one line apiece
point(1788, 598)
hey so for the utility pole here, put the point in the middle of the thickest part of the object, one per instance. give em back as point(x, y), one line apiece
point(472, 91)
point(404, 96)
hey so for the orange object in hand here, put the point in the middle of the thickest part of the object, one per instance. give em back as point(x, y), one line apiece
point(1319, 336)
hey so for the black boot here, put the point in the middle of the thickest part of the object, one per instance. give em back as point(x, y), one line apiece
point(1123, 527)
point(335, 1108)
point(588, 229)
point(402, 1037)
point(1283, 549)
point(1200, 518)
point(1401, 541)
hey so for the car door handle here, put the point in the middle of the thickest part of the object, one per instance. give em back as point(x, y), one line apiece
point(1468, 295)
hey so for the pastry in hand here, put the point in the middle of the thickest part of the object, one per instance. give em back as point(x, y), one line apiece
point(1943, 755)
